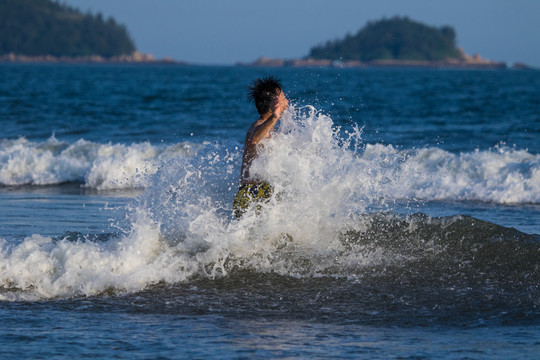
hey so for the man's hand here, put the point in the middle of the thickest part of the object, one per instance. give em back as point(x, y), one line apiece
point(279, 104)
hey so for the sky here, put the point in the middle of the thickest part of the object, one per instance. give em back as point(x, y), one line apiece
point(225, 32)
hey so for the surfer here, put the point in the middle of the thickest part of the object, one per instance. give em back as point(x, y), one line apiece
point(270, 102)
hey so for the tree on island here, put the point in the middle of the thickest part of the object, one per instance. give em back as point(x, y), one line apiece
point(44, 27)
point(397, 38)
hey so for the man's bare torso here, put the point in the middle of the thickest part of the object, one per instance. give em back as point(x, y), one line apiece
point(259, 130)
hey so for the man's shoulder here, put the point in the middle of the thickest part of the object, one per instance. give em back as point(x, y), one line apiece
point(254, 125)
point(257, 122)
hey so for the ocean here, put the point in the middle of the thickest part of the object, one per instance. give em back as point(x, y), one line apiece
point(405, 223)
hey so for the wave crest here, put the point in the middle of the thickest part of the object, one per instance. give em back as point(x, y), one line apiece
point(98, 166)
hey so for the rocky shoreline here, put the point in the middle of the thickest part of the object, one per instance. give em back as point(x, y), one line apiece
point(465, 62)
point(134, 58)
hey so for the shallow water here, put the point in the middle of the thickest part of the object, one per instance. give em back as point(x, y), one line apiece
point(91, 328)
point(406, 224)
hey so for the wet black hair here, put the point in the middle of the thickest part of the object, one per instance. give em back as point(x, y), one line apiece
point(262, 92)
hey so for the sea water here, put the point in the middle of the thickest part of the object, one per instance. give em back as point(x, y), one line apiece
point(405, 222)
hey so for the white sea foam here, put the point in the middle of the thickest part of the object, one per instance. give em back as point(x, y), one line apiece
point(41, 267)
point(308, 152)
point(99, 166)
point(324, 181)
point(501, 175)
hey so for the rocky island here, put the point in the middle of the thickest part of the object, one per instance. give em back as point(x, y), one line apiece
point(395, 42)
point(47, 31)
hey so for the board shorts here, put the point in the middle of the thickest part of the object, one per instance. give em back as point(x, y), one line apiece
point(259, 192)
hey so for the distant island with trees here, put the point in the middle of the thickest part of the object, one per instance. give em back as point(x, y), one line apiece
point(397, 41)
point(392, 39)
point(45, 30)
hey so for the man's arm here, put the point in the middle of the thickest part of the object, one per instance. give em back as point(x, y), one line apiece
point(262, 130)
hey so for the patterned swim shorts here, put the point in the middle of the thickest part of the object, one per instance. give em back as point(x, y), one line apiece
point(259, 192)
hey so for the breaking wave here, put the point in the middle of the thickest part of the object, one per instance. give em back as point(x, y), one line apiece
point(321, 223)
point(500, 175)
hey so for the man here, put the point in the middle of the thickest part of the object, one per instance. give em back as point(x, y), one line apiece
point(270, 102)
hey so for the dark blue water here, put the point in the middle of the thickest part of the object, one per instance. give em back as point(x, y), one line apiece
point(408, 227)
point(454, 110)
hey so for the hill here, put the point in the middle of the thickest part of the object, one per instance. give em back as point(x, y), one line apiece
point(44, 27)
point(392, 39)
